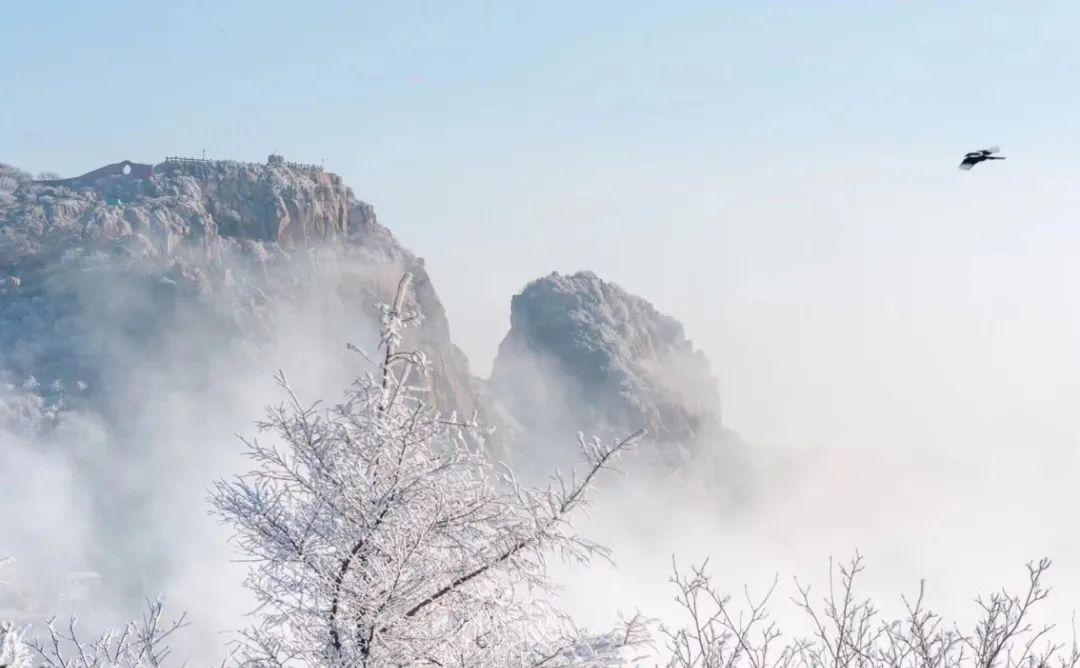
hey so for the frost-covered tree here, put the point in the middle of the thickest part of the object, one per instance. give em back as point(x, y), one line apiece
point(379, 534)
point(848, 631)
point(14, 653)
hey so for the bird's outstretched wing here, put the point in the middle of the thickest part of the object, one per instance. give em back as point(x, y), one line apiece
point(992, 149)
point(968, 163)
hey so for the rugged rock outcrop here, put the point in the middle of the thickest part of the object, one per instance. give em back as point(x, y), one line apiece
point(582, 353)
point(96, 271)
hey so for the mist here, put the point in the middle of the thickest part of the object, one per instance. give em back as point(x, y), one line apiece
point(896, 346)
point(112, 510)
point(910, 402)
point(923, 429)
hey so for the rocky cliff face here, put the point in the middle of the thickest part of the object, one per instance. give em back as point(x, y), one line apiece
point(200, 205)
point(141, 320)
point(98, 273)
point(582, 353)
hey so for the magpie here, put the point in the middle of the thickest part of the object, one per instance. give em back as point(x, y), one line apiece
point(975, 157)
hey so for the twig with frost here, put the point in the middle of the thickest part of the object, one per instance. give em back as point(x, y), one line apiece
point(847, 631)
point(141, 644)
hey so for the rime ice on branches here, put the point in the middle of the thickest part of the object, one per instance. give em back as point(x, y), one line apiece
point(378, 535)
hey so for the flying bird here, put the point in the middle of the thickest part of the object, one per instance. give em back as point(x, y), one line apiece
point(975, 157)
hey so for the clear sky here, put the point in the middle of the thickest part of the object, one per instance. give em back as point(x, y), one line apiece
point(781, 176)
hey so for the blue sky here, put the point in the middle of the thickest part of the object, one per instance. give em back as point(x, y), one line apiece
point(342, 80)
point(781, 176)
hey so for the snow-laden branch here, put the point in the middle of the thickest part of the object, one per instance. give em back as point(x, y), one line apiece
point(14, 653)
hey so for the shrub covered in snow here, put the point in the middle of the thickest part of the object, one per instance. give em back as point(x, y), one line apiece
point(379, 536)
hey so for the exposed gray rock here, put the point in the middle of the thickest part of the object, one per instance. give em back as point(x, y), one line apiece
point(108, 266)
point(582, 353)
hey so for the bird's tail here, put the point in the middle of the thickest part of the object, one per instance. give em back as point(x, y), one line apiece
point(995, 157)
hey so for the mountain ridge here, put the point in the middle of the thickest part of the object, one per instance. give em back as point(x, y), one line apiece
point(198, 231)
point(221, 242)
